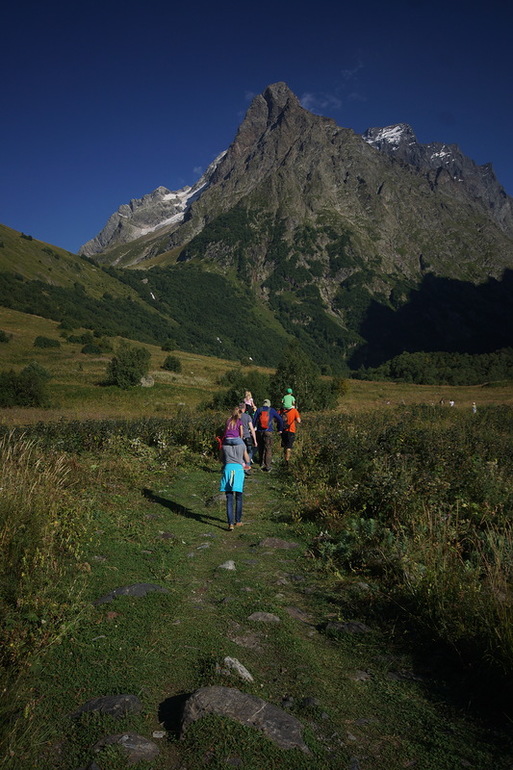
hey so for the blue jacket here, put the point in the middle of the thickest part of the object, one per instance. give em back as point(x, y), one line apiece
point(273, 415)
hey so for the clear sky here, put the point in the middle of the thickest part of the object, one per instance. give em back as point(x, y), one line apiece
point(104, 101)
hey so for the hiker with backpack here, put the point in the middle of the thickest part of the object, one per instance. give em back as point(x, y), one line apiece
point(249, 435)
point(264, 420)
point(291, 418)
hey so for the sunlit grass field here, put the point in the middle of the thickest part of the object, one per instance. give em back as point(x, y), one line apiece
point(76, 389)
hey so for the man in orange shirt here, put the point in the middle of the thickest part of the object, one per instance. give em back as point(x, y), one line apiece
point(291, 418)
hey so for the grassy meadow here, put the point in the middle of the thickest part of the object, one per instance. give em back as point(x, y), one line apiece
point(76, 391)
point(401, 510)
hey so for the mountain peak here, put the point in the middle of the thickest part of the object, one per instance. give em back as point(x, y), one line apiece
point(390, 136)
point(279, 95)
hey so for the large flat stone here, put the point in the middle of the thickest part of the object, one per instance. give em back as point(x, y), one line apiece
point(114, 705)
point(136, 589)
point(280, 727)
point(137, 748)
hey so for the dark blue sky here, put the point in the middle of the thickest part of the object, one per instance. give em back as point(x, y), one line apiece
point(105, 101)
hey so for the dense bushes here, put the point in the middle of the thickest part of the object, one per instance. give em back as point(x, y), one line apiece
point(237, 381)
point(298, 372)
point(172, 364)
point(128, 366)
point(444, 368)
point(46, 342)
point(420, 501)
point(26, 388)
point(295, 371)
point(189, 428)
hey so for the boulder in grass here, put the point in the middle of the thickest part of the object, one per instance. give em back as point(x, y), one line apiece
point(233, 664)
point(281, 728)
point(113, 705)
point(137, 747)
point(136, 589)
point(265, 617)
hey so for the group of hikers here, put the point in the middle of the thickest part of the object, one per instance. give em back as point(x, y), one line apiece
point(252, 428)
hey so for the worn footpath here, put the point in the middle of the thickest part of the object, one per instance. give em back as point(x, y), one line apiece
point(199, 647)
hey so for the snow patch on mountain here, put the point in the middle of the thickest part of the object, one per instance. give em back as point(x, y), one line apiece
point(158, 209)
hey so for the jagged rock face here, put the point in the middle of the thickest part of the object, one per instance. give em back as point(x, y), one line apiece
point(359, 246)
point(160, 208)
point(295, 169)
point(404, 210)
point(325, 225)
point(445, 164)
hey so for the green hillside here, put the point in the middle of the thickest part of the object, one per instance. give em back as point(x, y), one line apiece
point(35, 260)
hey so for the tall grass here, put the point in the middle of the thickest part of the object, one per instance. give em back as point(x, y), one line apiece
point(420, 500)
point(41, 529)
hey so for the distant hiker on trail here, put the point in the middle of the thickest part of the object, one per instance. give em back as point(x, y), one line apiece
point(249, 435)
point(474, 407)
point(291, 418)
point(288, 400)
point(263, 420)
point(234, 430)
point(234, 458)
point(249, 403)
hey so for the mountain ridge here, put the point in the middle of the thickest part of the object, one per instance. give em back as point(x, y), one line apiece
point(326, 240)
point(275, 109)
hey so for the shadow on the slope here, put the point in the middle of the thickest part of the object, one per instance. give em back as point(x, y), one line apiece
point(171, 711)
point(181, 510)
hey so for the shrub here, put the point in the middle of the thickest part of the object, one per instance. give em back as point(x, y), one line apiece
point(420, 500)
point(238, 381)
point(28, 388)
point(46, 342)
point(92, 349)
point(4, 337)
point(128, 367)
point(299, 372)
point(172, 364)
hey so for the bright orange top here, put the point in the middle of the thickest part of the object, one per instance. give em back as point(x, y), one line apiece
point(290, 417)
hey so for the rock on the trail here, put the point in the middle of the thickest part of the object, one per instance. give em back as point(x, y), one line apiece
point(265, 617)
point(114, 705)
point(280, 727)
point(227, 565)
point(276, 542)
point(299, 614)
point(359, 676)
point(137, 747)
point(136, 589)
point(235, 665)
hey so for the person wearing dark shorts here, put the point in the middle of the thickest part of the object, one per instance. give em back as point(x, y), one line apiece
point(291, 418)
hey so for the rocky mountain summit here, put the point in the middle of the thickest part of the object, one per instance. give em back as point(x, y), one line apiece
point(444, 163)
point(359, 247)
point(141, 216)
point(303, 141)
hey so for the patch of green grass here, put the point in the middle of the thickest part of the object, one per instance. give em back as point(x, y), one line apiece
point(165, 645)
